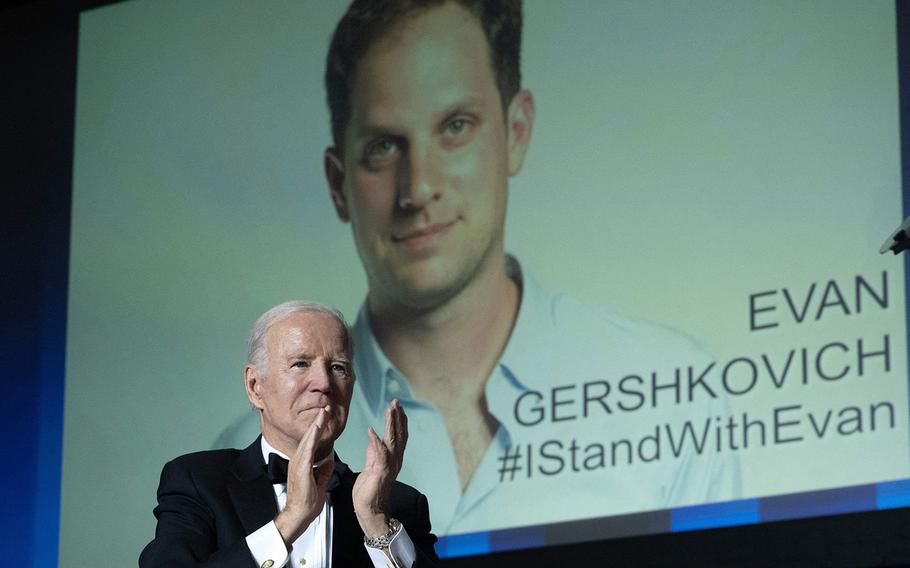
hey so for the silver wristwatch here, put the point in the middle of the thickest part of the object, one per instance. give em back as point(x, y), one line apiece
point(383, 541)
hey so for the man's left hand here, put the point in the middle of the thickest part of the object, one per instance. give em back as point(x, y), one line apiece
point(383, 462)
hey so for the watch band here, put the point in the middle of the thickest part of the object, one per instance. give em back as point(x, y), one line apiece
point(383, 541)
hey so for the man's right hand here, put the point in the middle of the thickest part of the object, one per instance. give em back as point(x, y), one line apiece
point(306, 487)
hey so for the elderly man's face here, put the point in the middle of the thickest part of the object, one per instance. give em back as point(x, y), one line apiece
point(308, 367)
point(427, 157)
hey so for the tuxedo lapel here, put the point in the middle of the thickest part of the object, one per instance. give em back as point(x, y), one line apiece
point(254, 501)
point(347, 537)
point(251, 490)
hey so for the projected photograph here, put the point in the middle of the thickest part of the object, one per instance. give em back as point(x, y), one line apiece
point(618, 262)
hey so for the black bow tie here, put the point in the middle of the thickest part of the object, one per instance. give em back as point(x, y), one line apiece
point(277, 469)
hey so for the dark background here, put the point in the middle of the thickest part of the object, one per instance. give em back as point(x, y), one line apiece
point(38, 42)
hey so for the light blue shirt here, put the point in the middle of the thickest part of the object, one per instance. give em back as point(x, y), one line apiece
point(556, 342)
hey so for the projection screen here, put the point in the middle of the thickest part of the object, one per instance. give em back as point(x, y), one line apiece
point(709, 182)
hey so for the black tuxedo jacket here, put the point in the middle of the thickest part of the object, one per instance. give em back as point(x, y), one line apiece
point(208, 502)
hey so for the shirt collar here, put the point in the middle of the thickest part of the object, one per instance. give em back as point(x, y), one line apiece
point(532, 335)
point(268, 449)
point(373, 367)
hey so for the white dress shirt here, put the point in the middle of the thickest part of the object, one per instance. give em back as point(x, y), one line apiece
point(313, 548)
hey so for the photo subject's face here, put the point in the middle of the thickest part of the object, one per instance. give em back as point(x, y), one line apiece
point(425, 161)
point(307, 368)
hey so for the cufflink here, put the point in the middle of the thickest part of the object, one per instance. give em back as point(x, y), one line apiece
point(268, 564)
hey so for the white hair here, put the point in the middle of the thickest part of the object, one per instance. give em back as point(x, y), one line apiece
point(257, 352)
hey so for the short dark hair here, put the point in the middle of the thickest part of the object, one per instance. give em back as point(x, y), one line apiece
point(368, 20)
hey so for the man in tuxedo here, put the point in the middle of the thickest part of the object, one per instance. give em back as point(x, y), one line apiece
point(286, 500)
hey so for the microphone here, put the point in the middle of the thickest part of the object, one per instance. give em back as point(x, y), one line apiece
point(899, 239)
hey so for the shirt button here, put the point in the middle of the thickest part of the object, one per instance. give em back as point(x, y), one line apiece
point(394, 387)
point(302, 561)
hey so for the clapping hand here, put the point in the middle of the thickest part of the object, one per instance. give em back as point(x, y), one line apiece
point(383, 462)
point(306, 486)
